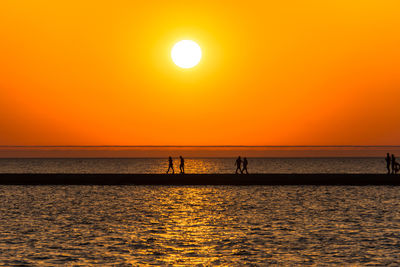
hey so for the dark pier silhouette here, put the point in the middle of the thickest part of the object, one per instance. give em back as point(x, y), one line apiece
point(199, 179)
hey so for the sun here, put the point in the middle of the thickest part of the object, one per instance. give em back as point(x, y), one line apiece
point(186, 54)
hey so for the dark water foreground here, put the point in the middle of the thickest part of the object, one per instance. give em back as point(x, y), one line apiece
point(200, 179)
point(84, 225)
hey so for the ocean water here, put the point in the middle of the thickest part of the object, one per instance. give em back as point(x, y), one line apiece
point(194, 165)
point(199, 225)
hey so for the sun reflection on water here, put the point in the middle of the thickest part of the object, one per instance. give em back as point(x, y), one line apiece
point(199, 225)
point(191, 223)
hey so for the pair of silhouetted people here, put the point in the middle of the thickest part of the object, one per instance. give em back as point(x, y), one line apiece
point(239, 163)
point(391, 162)
point(171, 165)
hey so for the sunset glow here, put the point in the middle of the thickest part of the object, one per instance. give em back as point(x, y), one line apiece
point(271, 73)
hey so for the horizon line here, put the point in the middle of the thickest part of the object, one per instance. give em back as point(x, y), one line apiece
point(198, 146)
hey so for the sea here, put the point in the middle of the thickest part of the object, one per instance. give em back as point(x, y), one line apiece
point(199, 225)
point(75, 225)
point(193, 165)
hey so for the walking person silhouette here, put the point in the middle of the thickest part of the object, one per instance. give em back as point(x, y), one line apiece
point(238, 164)
point(388, 161)
point(393, 163)
point(170, 165)
point(182, 165)
point(245, 163)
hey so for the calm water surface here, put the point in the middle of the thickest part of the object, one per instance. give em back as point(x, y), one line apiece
point(194, 165)
point(205, 225)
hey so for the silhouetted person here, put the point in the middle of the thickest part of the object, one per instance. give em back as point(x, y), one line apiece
point(388, 161)
point(238, 164)
point(396, 168)
point(393, 163)
point(170, 165)
point(245, 163)
point(182, 165)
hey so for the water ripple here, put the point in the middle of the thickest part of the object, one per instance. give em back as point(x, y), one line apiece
point(201, 225)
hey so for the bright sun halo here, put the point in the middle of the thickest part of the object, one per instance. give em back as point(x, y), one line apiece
point(186, 54)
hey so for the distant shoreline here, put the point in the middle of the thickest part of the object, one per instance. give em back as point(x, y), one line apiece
point(197, 179)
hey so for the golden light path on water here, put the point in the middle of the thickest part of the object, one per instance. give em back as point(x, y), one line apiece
point(199, 225)
point(191, 231)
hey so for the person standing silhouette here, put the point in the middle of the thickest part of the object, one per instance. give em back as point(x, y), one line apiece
point(245, 163)
point(388, 161)
point(182, 165)
point(396, 168)
point(393, 163)
point(238, 164)
point(170, 165)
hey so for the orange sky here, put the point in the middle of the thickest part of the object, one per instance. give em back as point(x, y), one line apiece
point(287, 73)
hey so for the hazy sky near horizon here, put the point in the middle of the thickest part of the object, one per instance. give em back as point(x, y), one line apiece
point(272, 73)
